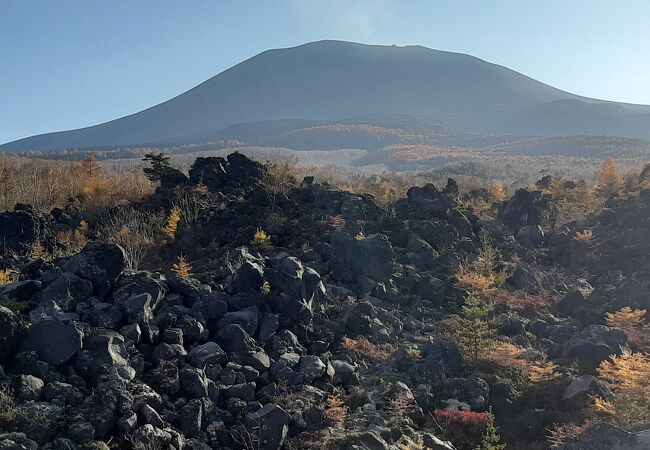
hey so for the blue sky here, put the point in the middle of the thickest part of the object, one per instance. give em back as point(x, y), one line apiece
point(67, 64)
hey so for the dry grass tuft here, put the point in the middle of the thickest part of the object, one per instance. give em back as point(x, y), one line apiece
point(564, 433)
point(368, 350)
point(584, 235)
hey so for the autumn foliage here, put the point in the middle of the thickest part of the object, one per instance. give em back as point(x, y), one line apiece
point(609, 177)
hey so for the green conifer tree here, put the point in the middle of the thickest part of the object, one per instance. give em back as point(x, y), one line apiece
point(475, 336)
point(159, 164)
point(491, 439)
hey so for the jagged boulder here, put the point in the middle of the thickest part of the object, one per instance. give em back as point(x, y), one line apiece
point(427, 201)
point(66, 291)
point(100, 263)
point(603, 436)
point(581, 390)
point(236, 171)
point(271, 423)
point(20, 291)
point(525, 208)
point(370, 256)
point(11, 331)
point(23, 227)
point(53, 341)
point(171, 178)
point(592, 345)
point(102, 350)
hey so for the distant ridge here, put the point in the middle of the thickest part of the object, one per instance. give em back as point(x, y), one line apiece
point(336, 81)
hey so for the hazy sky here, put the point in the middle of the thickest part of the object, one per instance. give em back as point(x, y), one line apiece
point(72, 63)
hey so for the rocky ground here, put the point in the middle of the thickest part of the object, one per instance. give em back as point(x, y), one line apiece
point(332, 333)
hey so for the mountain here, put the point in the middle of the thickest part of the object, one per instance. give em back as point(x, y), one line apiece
point(343, 81)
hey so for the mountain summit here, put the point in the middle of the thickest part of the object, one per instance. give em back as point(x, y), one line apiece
point(335, 81)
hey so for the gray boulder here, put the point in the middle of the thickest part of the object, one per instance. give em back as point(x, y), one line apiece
point(530, 236)
point(207, 354)
point(103, 349)
point(580, 392)
point(604, 436)
point(16, 441)
point(594, 344)
point(28, 388)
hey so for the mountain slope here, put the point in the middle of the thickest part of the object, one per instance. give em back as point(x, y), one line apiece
point(334, 80)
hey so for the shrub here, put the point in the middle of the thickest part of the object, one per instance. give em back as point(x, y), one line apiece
point(335, 410)
point(8, 415)
point(182, 268)
point(401, 406)
point(171, 224)
point(499, 190)
point(261, 238)
point(366, 349)
point(190, 202)
point(519, 300)
point(509, 355)
point(628, 376)
point(134, 230)
point(6, 276)
point(481, 274)
point(632, 321)
point(561, 434)
point(72, 241)
point(279, 177)
point(469, 421)
point(626, 318)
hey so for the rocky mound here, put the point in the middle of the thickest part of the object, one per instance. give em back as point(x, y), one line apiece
point(329, 333)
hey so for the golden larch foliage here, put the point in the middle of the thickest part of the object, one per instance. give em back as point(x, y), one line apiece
point(609, 177)
point(260, 237)
point(37, 250)
point(509, 355)
point(603, 406)
point(335, 410)
point(628, 374)
point(6, 276)
point(499, 190)
point(626, 318)
point(171, 225)
point(182, 268)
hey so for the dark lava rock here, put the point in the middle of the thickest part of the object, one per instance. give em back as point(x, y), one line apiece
point(593, 345)
point(237, 171)
point(53, 341)
point(11, 331)
point(604, 436)
point(271, 423)
point(98, 262)
point(23, 227)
